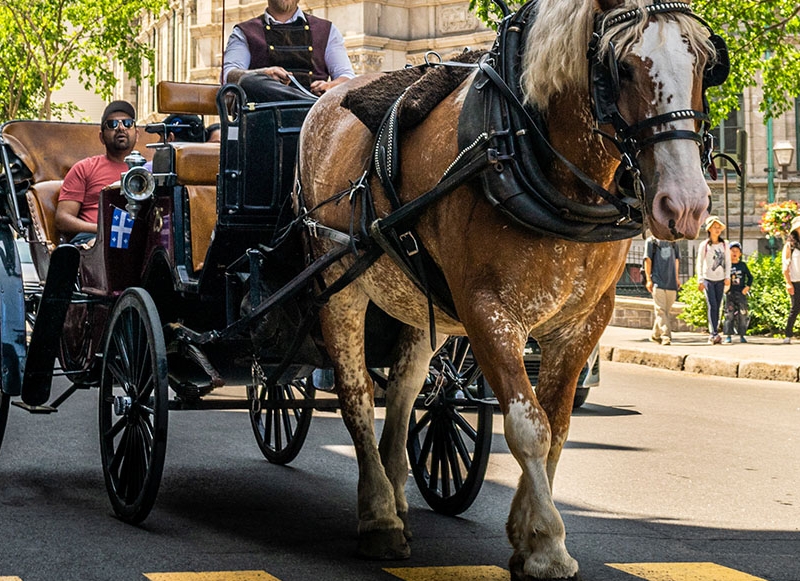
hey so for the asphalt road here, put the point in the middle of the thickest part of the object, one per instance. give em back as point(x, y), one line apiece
point(661, 467)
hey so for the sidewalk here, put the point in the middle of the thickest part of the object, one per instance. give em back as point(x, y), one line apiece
point(761, 357)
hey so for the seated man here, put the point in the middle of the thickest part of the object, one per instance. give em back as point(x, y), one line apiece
point(79, 200)
point(213, 133)
point(263, 52)
point(182, 128)
point(185, 128)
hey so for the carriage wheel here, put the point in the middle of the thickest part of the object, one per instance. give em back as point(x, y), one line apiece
point(133, 405)
point(5, 400)
point(280, 426)
point(449, 436)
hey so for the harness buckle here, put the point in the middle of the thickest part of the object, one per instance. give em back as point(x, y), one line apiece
point(312, 227)
point(409, 243)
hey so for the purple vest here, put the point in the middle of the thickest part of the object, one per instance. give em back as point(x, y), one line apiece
point(298, 47)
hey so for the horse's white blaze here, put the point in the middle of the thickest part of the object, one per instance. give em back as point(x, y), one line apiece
point(676, 161)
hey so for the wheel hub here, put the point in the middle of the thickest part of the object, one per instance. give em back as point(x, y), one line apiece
point(122, 404)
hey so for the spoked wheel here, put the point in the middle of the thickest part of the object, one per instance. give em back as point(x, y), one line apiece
point(5, 400)
point(133, 405)
point(279, 421)
point(450, 431)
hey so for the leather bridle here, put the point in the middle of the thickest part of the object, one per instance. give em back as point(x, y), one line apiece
point(631, 139)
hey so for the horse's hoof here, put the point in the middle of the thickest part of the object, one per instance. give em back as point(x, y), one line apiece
point(383, 545)
point(516, 565)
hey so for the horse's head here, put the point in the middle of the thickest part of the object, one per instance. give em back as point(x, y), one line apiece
point(649, 67)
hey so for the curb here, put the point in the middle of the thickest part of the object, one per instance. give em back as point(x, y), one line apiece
point(702, 365)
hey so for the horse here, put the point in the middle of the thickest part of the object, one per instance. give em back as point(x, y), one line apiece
point(508, 282)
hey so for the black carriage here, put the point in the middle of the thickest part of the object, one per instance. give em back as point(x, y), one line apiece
point(202, 285)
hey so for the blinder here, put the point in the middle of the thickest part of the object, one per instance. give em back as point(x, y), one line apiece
point(717, 71)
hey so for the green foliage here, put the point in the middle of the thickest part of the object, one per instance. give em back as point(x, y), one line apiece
point(769, 302)
point(46, 41)
point(761, 37)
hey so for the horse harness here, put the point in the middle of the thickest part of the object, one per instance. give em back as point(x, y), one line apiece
point(505, 145)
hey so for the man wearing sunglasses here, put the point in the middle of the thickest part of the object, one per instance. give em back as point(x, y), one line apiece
point(79, 200)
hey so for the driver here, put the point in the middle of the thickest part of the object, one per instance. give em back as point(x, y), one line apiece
point(264, 51)
point(79, 200)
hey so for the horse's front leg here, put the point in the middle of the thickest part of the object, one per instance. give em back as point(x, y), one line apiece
point(405, 382)
point(380, 530)
point(563, 357)
point(534, 526)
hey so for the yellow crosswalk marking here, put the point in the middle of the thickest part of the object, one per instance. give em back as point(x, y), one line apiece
point(10, 579)
point(477, 573)
point(683, 572)
point(211, 576)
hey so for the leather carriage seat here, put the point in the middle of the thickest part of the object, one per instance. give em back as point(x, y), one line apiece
point(196, 164)
point(42, 201)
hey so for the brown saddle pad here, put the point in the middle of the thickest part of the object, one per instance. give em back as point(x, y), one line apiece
point(427, 87)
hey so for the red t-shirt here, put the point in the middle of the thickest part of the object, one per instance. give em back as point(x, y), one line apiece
point(84, 181)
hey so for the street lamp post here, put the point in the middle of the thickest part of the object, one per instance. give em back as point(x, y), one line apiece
point(784, 151)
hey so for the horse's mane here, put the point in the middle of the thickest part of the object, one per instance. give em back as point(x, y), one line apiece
point(555, 53)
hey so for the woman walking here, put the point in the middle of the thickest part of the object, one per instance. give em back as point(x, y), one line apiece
point(791, 272)
point(714, 273)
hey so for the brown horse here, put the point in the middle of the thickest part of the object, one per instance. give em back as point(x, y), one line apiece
point(506, 281)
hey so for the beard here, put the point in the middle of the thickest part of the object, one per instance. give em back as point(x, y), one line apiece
point(120, 142)
point(284, 6)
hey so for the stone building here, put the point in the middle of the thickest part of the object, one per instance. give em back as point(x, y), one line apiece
point(382, 35)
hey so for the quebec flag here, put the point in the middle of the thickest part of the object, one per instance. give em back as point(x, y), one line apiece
point(121, 228)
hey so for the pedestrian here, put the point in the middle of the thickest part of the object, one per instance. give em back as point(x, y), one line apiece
point(791, 272)
point(714, 273)
point(737, 315)
point(661, 268)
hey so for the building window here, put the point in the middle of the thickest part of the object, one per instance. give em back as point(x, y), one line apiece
point(725, 133)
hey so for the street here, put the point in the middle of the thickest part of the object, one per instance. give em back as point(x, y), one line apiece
point(661, 468)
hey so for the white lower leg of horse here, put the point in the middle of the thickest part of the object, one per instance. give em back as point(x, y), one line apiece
point(534, 527)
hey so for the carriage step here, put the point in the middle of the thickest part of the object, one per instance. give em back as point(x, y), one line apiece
point(35, 409)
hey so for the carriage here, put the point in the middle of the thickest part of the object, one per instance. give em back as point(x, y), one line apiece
point(156, 313)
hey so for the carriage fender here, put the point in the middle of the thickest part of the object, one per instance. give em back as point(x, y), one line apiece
point(12, 314)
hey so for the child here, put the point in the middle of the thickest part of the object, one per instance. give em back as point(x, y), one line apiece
point(736, 299)
point(713, 273)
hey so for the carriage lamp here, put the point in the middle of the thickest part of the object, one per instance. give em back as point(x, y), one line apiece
point(137, 184)
point(784, 151)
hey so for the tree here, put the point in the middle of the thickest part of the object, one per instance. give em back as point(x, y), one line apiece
point(763, 39)
point(45, 41)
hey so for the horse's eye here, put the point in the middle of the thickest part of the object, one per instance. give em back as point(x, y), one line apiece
point(625, 71)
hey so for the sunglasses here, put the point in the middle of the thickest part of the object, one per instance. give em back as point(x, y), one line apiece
point(114, 123)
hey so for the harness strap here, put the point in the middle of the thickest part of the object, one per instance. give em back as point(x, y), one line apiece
point(629, 208)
